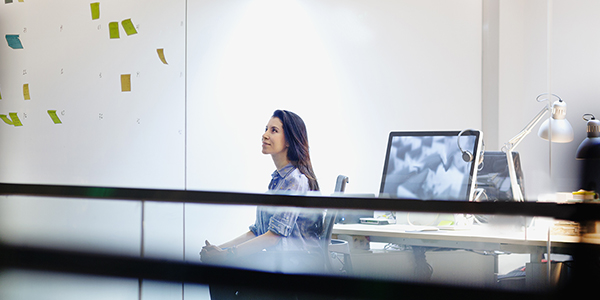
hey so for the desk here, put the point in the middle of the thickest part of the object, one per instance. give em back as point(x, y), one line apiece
point(478, 237)
point(482, 238)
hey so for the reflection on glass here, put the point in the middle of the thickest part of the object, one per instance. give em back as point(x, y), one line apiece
point(89, 225)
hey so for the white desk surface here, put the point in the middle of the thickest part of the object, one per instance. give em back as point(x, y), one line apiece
point(474, 234)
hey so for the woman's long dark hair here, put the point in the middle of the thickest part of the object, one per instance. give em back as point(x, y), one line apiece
point(297, 138)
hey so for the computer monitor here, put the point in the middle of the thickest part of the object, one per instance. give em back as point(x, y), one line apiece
point(429, 165)
point(493, 176)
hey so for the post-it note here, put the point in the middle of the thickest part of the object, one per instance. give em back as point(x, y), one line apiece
point(15, 119)
point(14, 41)
point(128, 26)
point(445, 223)
point(54, 117)
point(95, 7)
point(125, 82)
point(11, 119)
point(6, 119)
point(161, 55)
point(113, 28)
point(26, 95)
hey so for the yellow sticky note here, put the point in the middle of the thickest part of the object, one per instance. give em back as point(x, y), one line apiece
point(95, 7)
point(125, 82)
point(161, 55)
point(113, 28)
point(128, 26)
point(26, 95)
point(54, 117)
point(445, 223)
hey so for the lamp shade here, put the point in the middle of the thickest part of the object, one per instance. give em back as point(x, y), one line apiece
point(562, 131)
point(590, 147)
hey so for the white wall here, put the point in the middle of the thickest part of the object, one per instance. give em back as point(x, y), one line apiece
point(574, 69)
point(107, 137)
point(353, 70)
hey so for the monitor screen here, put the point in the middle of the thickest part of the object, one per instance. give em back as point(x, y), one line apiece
point(430, 166)
point(494, 178)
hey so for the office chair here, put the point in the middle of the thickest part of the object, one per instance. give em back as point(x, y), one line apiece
point(336, 246)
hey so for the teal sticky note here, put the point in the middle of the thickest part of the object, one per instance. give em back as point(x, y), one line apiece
point(14, 41)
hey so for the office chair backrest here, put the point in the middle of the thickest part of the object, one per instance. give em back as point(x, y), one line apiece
point(328, 221)
point(340, 184)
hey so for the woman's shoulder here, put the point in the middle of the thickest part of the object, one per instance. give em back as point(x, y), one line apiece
point(295, 181)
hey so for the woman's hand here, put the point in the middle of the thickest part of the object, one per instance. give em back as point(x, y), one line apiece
point(212, 254)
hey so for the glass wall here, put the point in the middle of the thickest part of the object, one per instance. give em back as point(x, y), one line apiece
point(176, 95)
point(474, 249)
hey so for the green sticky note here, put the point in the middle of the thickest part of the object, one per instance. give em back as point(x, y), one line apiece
point(113, 28)
point(15, 119)
point(95, 10)
point(11, 119)
point(54, 117)
point(6, 119)
point(26, 95)
point(128, 26)
point(8, 1)
point(445, 223)
point(14, 41)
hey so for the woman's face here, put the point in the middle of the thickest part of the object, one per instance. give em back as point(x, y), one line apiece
point(273, 140)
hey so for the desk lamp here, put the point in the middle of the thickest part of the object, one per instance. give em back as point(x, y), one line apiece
point(589, 152)
point(557, 129)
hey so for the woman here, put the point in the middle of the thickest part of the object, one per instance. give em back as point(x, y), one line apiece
point(286, 140)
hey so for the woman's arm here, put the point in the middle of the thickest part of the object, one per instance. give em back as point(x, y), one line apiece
point(259, 243)
point(238, 240)
point(215, 254)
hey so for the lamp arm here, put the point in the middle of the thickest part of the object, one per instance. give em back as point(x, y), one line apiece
point(514, 142)
point(511, 145)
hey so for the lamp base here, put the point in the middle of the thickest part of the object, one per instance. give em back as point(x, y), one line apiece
point(590, 175)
